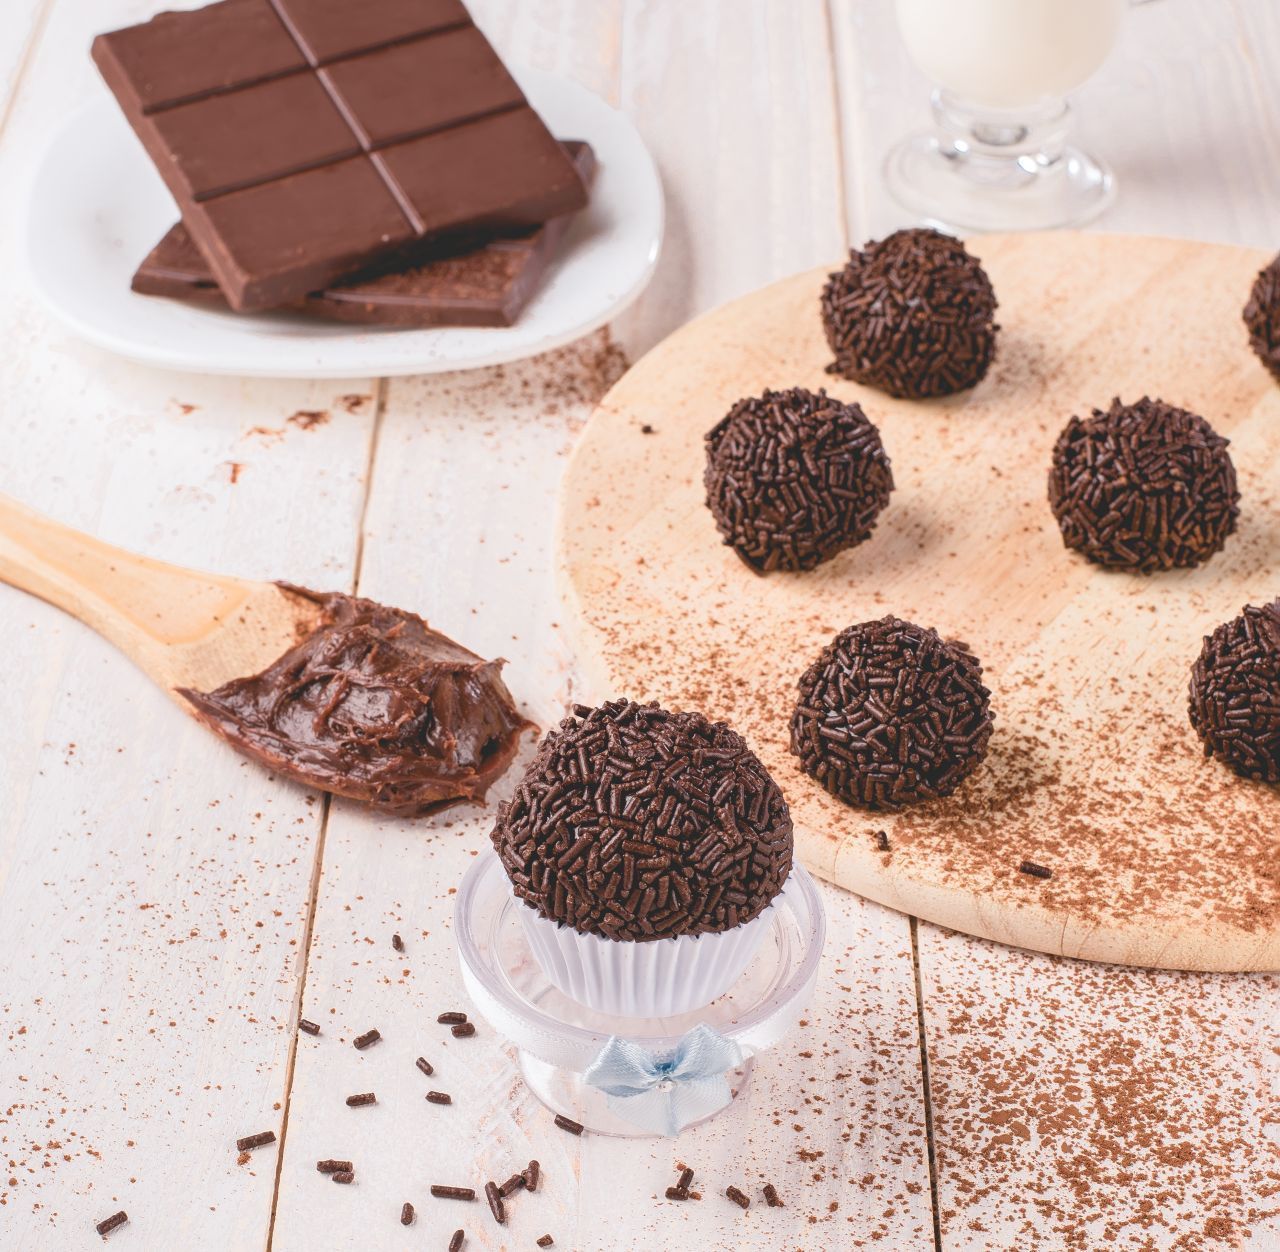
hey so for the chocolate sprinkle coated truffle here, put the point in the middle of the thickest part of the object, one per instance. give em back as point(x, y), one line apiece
point(891, 714)
point(1143, 486)
point(911, 314)
point(636, 823)
point(1262, 317)
point(793, 478)
point(1235, 693)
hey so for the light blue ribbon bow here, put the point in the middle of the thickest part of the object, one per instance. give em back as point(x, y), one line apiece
point(666, 1093)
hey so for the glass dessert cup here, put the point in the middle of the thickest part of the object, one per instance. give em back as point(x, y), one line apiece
point(984, 168)
point(558, 1039)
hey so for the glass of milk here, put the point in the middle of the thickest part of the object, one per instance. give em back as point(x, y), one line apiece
point(998, 156)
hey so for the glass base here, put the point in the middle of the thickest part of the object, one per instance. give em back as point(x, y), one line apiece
point(960, 190)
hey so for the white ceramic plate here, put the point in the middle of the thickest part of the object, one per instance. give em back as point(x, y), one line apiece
point(97, 207)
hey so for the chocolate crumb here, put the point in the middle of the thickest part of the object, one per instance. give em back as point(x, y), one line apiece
point(882, 841)
point(365, 1040)
point(249, 1142)
point(463, 1030)
point(567, 1123)
point(359, 1101)
point(545, 1241)
point(334, 1167)
point(1034, 870)
point(741, 1200)
point(108, 1224)
point(406, 1214)
point(397, 943)
point(646, 429)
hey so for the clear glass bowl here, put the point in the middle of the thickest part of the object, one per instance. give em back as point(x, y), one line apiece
point(557, 1039)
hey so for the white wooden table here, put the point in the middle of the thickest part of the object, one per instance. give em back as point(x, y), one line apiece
point(167, 911)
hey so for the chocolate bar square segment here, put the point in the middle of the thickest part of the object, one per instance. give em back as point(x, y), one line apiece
point(493, 167)
point(298, 231)
point(467, 81)
point(242, 138)
point(177, 57)
point(328, 29)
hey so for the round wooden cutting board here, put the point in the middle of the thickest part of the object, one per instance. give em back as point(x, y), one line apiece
point(1159, 856)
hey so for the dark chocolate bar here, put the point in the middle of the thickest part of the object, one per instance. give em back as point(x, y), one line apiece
point(485, 285)
point(305, 140)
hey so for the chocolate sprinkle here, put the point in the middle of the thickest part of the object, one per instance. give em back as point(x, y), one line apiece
point(794, 478)
point(308, 1028)
point(108, 1224)
point(441, 1192)
point(544, 1241)
point(344, 1176)
point(359, 1101)
point(771, 1196)
point(742, 1201)
point(439, 1097)
point(912, 314)
point(1035, 871)
point(249, 1142)
point(567, 1123)
point(406, 1214)
point(1143, 486)
point(891, 714)
point(1235, 693)
point(686, 1177)
point(1262, 317)
point(463, 1030)
point(334, 1167)
point(451, 1018)
point(398, 944)
point(677, 1193)
point(532, 1172)
point(459, 1238)
point(365, 1040)
point(882, 841)
point(635, 823)
point(496, 1206)
point(512, 1185)
point(425, 1066)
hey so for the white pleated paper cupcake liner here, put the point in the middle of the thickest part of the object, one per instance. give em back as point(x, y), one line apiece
point(658, 978)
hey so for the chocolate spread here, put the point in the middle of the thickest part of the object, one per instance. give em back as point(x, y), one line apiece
point(374, 705)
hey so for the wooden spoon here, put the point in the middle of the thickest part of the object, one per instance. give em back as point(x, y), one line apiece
point(181, 627)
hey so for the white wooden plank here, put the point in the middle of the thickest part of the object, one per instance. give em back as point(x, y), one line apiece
point(19, 34)
point(153, 885)
point(1082, 1106)
point(1184, 110)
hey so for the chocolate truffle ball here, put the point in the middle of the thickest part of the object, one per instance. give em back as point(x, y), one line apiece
point(1235, 693)
point(1262, 317)
point(913, 315)
point(793, 478)
point(636, 823)
point(1143, 486)
point(891, 714)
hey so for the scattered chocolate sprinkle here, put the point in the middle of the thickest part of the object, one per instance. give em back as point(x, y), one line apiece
point(911, 314)
point(425, 1066)
point(513, 1184)
point(793, 478)
point(882, 841)
point(686, 1177)
point(635, 823)
point(1143, 486)
point(442, 1192)
point(359, 1101)
point(771, 1196)
point(249, 1142)
point(308, 1028)
point(742, 1201)
point(677, 1193)
point(463, 1030)
point(344, 1176)
point(334, 1167)
point(459, 1238)
point(439, 1097)
point(108, 1224)
point(646, 429)
point(891, 714)
point(544, 1241)
point(1034, 870)
point(451, 1018)
point(532, 1172)
point(496, 1206)
point(1234, 701)
point(406, 1214)
point(567, 1123)
point(365, 1040)
point(397, 943)
point(1262, 317)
